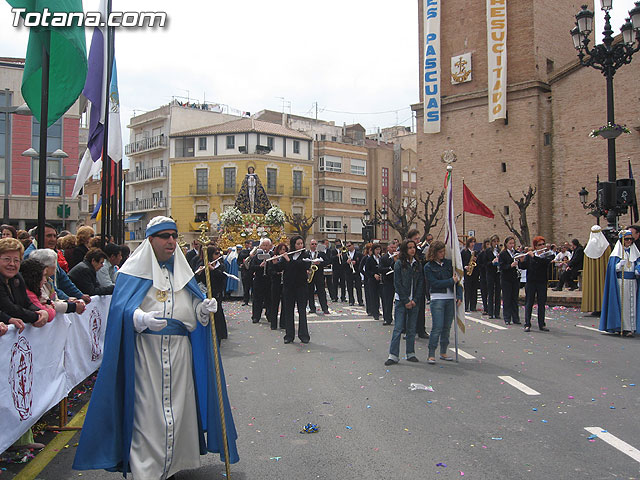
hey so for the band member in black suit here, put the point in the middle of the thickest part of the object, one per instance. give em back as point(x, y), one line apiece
point(420, 299)
point(245, 274)
point(329, 253)
point(362, 266)
point(218, 285)
point(294, 288)
point(352, 260)
point(339, 265)
point(472, 280)
point(509, 281)
point(261, 285)
point(373, 277)
point(386, 265)
point(318, 259)
point(275, 278)
point(482, 268)
point(493, 277)
point(537, 266)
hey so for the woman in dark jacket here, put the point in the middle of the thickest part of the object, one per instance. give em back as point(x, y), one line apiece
point(537, 266)
point(218, 284)
point(275, 277)
point(83, 237)
point(295, 289)
point(446, 294)
point(509, 281)
point(408, 282)
point(372, 279)
point(83, 275)
point(15, 305)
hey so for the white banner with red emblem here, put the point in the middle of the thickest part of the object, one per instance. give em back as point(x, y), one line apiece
point(40, 366)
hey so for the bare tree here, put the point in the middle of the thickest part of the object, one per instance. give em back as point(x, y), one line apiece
point(401, 217)
point(522, 234)
point(431, 215)
point(301, 223)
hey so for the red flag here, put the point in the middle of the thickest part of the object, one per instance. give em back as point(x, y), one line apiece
point(471, 204)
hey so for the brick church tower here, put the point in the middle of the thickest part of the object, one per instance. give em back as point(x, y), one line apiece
point(511, 153)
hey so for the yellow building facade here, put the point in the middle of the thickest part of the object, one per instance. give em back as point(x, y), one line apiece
point(207, 167)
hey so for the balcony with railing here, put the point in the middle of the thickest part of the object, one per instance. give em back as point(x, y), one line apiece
point(225, 189)
point(200, 190)
point(299, 192)
point(275, 190)
point(146, 144)
point(146, 174)
point(144, 204)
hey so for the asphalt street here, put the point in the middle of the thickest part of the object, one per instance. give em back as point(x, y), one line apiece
point(517, 405)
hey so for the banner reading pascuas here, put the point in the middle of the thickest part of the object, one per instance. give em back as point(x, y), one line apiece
point(431, 45)
point(497, 58)
point(40, 366)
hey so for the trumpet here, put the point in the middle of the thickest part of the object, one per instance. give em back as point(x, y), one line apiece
point(311, 272)
point(538, 252)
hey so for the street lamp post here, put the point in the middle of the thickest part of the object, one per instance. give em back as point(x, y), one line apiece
point(64, 179)
point(607, 57)
point(42, 185)
point(345, 227)
point(9, 110)
point(379, 217)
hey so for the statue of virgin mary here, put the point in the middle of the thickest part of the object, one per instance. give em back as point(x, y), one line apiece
point(252, 197)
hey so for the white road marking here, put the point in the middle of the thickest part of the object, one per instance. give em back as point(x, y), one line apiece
point(488, 324)
point(589, 328)
point(466, 355)
point(615, 442)
point(519, 385)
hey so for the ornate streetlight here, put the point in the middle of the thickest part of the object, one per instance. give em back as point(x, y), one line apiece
point(607, 57)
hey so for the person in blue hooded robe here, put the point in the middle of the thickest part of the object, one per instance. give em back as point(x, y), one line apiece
point(155, 397)
point(620, 299)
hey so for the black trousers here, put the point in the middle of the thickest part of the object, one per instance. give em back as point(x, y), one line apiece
point(219, 320)
point(317, 286)
point(569, 278)
point(353, 282)
point(375, 290)
point(247, 281)
point(483, 290)
point(533, 289)
point(388, 293)
point(292, 298)
point(276, 302)
point(261, 295)
point(339, 280)
point(367, 296)
point(470, 292)
point(493, 294)
point(510, 291)
point(333, 289)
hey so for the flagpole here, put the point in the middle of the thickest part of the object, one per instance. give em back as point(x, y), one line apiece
point(42, 161)
point(464, 225)
point(106, 163)
point(454, 242)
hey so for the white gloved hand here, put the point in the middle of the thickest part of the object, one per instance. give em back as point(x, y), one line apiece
point(143, 320)
point(207, 306)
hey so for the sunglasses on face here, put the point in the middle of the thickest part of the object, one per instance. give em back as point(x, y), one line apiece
point(166, 236)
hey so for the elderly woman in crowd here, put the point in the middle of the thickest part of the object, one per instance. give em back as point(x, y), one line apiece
point(84, 274)
point(49, 258)
point(14, 301)
point(83, 237)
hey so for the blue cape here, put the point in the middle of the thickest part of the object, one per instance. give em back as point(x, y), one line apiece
point(105, 440)
point(610, 314)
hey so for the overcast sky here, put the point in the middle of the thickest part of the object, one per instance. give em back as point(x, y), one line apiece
point(355, 56)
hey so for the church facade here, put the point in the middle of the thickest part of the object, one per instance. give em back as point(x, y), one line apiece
point(516, 108)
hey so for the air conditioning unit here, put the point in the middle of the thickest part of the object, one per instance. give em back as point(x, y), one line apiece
point(242, 149)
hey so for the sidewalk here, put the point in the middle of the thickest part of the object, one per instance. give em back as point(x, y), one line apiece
point(566, 298)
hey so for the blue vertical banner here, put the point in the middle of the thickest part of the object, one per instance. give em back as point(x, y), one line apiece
point(431, 39)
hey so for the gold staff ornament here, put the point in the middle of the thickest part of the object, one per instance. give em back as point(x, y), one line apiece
point(205, 241)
